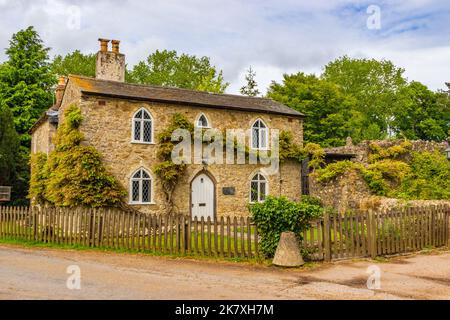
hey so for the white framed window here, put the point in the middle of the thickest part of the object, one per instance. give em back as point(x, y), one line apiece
point(259, 188)
point(142, 127)
point(202, 121)
point(260, 135)
point(141, 187)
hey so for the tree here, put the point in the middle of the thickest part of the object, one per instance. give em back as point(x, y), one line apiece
point(251, 88)
point(167, 68)
point(74, 63)
point(9, 146)
point(331, 115)
point(375, 86)
point(26, 80)
point(422, 113)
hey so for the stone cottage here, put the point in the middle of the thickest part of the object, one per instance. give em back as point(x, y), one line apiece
point(122, 122)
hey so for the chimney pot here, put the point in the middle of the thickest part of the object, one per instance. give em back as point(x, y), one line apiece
point(62, 81)
point(115, 46)
point(104, 44)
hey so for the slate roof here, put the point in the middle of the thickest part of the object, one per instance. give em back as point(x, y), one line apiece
point(113, 89)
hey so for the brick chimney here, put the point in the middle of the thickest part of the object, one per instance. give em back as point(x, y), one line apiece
point(110, 64)
point(59, 92)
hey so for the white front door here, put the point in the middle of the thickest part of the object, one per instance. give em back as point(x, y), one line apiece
point(202, 199)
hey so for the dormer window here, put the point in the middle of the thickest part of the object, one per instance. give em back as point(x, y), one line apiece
point(202, 122)
point(142, 128)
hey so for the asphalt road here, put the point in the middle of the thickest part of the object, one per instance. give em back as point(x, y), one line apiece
point(42, 274)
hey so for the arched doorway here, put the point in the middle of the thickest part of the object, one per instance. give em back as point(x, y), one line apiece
point(203, 197)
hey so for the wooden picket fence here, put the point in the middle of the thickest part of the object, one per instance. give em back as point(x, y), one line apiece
point(372, 234)
point(352, 235)
point(225, 237)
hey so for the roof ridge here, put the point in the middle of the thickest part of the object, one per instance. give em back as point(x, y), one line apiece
point(173, 88)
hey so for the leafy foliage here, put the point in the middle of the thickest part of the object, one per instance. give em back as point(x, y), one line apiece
point(74, 63)
point(330, 115)
point(251, 88)
point(277, 215)
point(423, 114)
point(375, 84)
point(169, 172)
point(394, 152)
point(25, 88)
point(26, 80)
point(421, 176)
point(428, 179)
point(167, 68)
point(39, 177)
point(334, 170)
point(73, 175)
point(9, 147)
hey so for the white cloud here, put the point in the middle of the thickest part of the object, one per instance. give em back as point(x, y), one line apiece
point(273, 36)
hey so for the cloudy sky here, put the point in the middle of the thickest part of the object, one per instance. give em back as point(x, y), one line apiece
point(274, 37)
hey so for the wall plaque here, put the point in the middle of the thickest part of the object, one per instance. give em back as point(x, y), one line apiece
point(229, 191)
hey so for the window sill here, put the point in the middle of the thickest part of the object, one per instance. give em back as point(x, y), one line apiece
point(144, 143)
point(141, 203)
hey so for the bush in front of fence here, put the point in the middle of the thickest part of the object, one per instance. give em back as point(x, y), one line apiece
point(278, 214)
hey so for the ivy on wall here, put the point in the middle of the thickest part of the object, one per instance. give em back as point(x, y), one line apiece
point(167, 171)
point(73, 174)
point(420, 176)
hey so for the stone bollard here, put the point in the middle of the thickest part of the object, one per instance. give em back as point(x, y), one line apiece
point(288, 251)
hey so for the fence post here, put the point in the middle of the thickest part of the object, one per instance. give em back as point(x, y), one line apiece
point(35, 223)
point(327, 235)
point(372, 234)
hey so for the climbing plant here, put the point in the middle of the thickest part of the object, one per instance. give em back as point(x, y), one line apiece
point(420, 175)
point(168, 172)
point(73, 174)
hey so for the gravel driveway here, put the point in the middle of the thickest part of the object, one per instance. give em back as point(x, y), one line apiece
point(42, 274)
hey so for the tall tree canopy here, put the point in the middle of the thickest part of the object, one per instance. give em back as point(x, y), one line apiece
point(167, 68)
point(422, 113)
point(74, 63)
point(375, 85)
point(251, 87)
point(9, 146)
point(331, 115)
point(26, 80)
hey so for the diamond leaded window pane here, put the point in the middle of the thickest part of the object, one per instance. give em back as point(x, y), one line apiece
point(263, 138)
point(202, 122)
point(262, 191)
point(137, 175)
point(137, 130)
point(146, 191)
point(255, 140)
point(254, 191)
point(135, 190)
point(139, 115)
point(146, 115)
point(147, 131)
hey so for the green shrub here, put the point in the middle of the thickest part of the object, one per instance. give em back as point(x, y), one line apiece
point(428, 179)
point(334, 170)
point(419, 176)
point(277, 215)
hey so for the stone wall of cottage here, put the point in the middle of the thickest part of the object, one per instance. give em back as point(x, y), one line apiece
point(41, 139)
point(107, 127)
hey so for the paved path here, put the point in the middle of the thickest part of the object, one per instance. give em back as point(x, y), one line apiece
point(41, 274)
